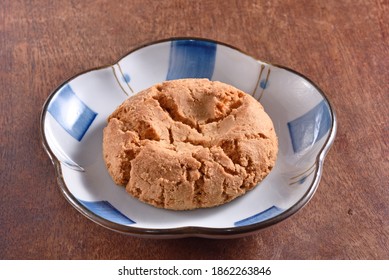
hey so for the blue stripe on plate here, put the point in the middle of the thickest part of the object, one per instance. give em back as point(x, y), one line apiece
point(310, 127)
point(71, 113)
point(191, 59)
point(264, 84)
point(105, 210)
point(262, 216)
point(126, 78)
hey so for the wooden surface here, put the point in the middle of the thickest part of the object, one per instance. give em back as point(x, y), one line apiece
point(341, 45)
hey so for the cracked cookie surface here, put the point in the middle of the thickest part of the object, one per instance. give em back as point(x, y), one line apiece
point(189, 143)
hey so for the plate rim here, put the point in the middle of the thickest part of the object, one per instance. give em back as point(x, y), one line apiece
point(190, 231)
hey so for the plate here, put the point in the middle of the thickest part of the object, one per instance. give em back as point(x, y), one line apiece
point(75, 114)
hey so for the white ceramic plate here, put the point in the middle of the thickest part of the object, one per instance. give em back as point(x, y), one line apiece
point(75, 113)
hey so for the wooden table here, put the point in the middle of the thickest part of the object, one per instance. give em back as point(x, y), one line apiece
point(341, 45)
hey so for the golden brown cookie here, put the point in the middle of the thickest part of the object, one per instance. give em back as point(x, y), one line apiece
point(189, 143)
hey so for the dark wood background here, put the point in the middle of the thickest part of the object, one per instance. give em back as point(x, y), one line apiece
point(341, 45)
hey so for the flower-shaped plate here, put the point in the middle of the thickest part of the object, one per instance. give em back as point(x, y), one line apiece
point(74, 115)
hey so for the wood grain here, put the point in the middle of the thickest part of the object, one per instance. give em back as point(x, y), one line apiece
point(341, 45)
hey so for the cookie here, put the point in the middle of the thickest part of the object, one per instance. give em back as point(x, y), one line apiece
point(189, 143)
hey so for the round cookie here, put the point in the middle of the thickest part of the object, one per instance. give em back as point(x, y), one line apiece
point(189, 143)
